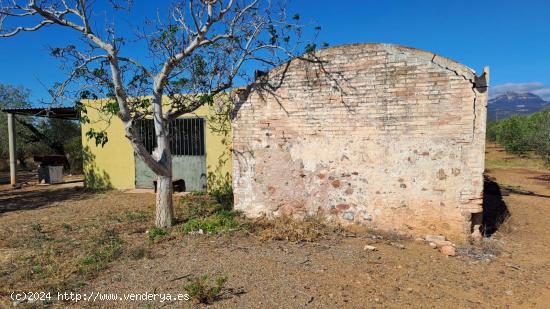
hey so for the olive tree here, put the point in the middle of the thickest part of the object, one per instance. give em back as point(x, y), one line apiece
point(195, 51)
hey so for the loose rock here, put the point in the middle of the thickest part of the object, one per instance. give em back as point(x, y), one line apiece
point(397, 245)
point(442, 243)
point(370, 248)
point(349, 216)
point(448, 250)
point(434, 238)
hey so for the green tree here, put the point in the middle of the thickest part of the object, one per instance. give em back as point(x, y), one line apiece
point(521, 134)
point(540, 139)
point(38, 136)
point(514, 134)
point(13, 97)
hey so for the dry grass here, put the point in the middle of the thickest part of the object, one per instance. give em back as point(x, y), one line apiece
point(515, 162)
point(58, 256)
point(492, 246)
point(507, 225)
point(62, 252)
point(497, 158)
point(487, 249)
point(287, 228)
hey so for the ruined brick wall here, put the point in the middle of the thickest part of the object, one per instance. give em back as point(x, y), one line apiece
point(379, 135)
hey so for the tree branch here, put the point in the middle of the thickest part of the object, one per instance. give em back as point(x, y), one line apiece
point(26, 29)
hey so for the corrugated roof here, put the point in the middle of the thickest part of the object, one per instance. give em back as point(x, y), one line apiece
point(68, 113)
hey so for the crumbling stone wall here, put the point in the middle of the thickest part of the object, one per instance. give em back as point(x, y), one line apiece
point(379, 135)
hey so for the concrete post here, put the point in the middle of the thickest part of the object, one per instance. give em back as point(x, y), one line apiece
point(12, 150)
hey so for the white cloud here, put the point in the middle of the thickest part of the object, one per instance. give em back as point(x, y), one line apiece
point(537, 88)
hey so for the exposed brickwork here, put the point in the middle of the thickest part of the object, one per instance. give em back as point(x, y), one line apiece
point(378, 135)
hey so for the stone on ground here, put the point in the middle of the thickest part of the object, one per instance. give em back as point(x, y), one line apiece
point(448, 250)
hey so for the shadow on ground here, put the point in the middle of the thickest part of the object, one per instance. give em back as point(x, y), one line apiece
point(23, 177)
point(495, 211)
point(15, 200)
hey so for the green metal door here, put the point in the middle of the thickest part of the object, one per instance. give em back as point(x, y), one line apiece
point(188, 153)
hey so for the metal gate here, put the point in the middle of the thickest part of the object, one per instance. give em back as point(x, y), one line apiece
point(188, 153)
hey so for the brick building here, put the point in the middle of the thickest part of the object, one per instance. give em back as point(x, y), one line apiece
point(379, 135)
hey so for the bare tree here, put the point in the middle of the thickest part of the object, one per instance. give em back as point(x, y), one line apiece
point(197, 51)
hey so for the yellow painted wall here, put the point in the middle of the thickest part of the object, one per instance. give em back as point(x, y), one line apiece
point(113, 164)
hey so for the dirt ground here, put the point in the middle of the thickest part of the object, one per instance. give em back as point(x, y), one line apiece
point(510, 270)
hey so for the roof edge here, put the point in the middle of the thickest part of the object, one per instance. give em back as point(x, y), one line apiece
point(437, 59)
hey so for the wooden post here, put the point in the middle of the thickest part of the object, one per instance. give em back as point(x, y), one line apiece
point(12, 150)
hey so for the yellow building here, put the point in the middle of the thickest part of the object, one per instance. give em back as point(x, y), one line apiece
point(200, 149)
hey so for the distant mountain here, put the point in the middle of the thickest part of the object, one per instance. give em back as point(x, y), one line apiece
point(511, 103)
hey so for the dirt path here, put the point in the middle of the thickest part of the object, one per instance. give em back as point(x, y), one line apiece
point(529, 235)
point(332, 273)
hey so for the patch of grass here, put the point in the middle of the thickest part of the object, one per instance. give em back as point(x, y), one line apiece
point(61, 252)
point(36, 227)
point(106, 248)
point(137, 216)
point(155, 233)
point(515, 162)
point(199, 206)
point(37, 269)
point(66, 227)
point(139, 253)
point(218, 223)
point(60, 264)
point(203, 290)
point(497, 158)
point(38, 237)
point(132, 216)
point(286, 228)
point(41, 266)
point(46, 268)
point(204, 213)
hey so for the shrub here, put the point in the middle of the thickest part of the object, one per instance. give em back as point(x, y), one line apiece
point(203, 291)
point(224, 195)
point(221, 188)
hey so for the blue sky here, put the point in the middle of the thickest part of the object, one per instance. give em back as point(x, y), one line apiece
point(510, 36)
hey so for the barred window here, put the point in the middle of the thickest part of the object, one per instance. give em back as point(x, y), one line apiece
point(187, 136)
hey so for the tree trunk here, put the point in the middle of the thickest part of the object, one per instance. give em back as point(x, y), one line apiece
point(165, 209)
